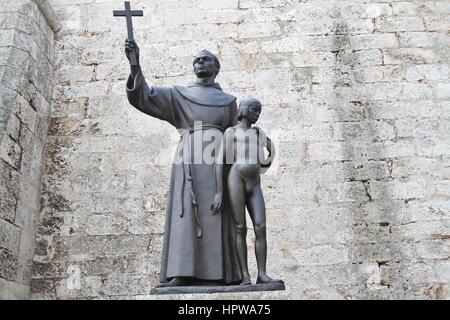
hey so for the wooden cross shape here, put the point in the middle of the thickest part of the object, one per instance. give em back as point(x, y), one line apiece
point(128, 13)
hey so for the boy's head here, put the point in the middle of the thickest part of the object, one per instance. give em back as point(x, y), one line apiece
point(249, 108)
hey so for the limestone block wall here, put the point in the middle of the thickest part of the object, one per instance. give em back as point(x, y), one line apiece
point(26, 66)
point(356, 95)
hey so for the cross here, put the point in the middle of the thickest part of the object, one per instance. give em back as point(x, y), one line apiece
point(128, 13)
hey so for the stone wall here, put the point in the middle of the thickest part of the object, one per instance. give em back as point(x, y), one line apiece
point(356, 94)
point(26, 66)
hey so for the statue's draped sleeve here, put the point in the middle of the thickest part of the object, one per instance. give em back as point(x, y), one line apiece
point(155, 101)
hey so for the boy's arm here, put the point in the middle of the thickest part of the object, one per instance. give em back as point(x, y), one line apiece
point(270, 148)
point(220, 160)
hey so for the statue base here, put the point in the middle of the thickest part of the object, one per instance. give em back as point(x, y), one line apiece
point(274, 286)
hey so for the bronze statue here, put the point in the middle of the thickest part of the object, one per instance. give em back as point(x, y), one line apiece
point(243, 145)
point(198, 246)
point(202, 242)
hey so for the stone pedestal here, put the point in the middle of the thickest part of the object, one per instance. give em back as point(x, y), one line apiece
point(275, 286)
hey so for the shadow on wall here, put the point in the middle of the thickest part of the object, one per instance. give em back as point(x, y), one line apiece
point(364, 140)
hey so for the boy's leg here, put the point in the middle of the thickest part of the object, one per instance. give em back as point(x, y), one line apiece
point(257, 210)
point(236, 193)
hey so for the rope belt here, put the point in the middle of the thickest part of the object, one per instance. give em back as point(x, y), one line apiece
point(187, 174)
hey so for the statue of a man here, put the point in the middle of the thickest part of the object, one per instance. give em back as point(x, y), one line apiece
point(198, 245)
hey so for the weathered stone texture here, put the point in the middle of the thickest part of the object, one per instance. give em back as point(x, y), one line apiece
point(355, 93)
point(26, 83)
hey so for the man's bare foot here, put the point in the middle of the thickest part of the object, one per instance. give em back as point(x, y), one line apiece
point(175, 282)
point(245, 281)
point(264, 278)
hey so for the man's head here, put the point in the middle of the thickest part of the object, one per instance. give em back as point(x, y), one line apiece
point(205, 64)
point(249, 108)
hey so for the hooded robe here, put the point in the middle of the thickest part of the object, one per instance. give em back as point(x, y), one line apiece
point(196, 243)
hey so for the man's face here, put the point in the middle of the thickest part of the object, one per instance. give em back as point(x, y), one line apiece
point(253, 113)
point(204, 66)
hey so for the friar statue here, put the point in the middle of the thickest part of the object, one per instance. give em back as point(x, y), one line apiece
point(199, 244)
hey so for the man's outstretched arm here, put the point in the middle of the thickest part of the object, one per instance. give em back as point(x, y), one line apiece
point(155, 101)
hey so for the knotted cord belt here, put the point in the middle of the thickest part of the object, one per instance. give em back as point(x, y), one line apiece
point(187, 174)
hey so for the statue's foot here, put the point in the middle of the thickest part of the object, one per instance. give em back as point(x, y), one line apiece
point(245, 281)
point(264, 278)
point(175, 282)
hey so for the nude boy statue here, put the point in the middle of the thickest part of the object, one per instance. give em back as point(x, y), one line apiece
point(243, 148)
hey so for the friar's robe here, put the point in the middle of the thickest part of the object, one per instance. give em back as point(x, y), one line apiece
point(196, 243)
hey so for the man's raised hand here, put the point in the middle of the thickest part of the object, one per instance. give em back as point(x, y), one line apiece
point(131, 45)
